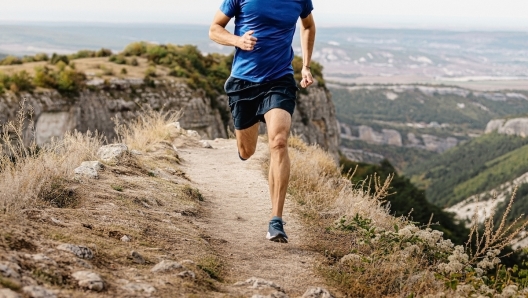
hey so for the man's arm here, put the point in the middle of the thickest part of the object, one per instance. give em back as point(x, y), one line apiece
point(307, 44)
point(219, 34)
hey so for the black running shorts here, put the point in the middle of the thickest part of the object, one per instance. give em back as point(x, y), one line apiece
point(250, 101)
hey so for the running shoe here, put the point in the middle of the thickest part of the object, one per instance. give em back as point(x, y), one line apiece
point(276, 230)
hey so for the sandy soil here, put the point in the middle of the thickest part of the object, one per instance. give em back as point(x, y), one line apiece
point(238, 206)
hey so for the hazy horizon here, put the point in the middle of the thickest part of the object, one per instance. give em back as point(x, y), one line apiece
point(408, 14)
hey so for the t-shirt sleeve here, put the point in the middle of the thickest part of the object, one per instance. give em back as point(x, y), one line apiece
point(229, 7)
point(308, 7)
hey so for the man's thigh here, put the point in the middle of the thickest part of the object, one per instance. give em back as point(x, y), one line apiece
point(248, 137)
point(278, 122)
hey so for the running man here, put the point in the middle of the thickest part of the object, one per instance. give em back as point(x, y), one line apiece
point(261, 87)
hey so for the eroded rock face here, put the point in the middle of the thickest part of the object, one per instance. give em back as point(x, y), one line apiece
point(314, 120)
point(95, 110)
point(517, 126)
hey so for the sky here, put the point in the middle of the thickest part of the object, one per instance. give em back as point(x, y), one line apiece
point(447, 14)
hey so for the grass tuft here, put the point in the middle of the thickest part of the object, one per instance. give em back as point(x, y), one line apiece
point(32, 175)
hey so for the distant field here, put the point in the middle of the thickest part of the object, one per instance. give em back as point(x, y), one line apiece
point(484, 85)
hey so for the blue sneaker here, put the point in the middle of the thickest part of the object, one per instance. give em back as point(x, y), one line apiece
point(276, 230)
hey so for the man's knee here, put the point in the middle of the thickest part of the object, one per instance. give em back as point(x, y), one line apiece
point(279, 142)
point(246, 151)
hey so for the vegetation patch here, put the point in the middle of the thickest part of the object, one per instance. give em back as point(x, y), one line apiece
point(476, 166)
point(369, 253)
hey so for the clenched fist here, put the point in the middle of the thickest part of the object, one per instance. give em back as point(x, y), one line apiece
point(307, 78)
point(247, 42)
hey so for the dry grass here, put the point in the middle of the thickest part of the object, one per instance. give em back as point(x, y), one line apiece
point(150, 128)
point(31, 176)
point(369, 253)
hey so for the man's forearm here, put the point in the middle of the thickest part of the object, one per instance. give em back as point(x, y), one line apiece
point(220, 35)
point(307, 43)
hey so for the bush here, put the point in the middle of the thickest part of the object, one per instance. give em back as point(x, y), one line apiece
point(124, 71)
point(82, 54)
point(10, 60)
point(45, 78)
point(150, 72)
point(56, 58)
point(118, 59)
point(20, 82)
point(70, 80)
point(66, 80)
point(103, 53)
point(134, 62)
point(135, 49)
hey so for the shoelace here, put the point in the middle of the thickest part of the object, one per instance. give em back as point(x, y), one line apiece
point(277, 224)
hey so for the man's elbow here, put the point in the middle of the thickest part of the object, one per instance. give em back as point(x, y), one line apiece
point(211, 32)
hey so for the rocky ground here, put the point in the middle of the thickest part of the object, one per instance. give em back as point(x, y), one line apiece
point(179, 221)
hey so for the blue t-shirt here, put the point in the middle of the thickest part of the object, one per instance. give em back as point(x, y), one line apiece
point(273, 23)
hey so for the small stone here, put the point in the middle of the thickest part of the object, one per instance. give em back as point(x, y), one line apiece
point(193, 134)
point(82, 252)
point(57, 222)
point(9, 269)
point(41, 258)
point(125, 238)
point(111, 153)
point(350, 258)
point(83, 264)
point(135, 152)
point(317, 293)
point(137, 258)
point(187, 262)
point(38, 292)
point(174, 125)
point(139, 287)
point(258, 283)
point(187, 273)
point(7, 293)
point(89, 169)
point(272, 295)
point(89, 280)
point(206, 144)
point(165, 266)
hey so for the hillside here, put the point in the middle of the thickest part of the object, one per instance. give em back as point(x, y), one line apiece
point(406, 199)
point(154, 216)
point(398, 121)
point(88, 89)
point(478, 165)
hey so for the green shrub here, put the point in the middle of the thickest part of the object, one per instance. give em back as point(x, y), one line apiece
point(20, 82)
point(41, 57)
point(103, 53)
point(135, 49)
point(134, 62)
point(118, 59)
point(56, 58)
point(70, 80)
point(150, 72)
point(10, 60)
point(45, 78)
point(124, 71)
point(82, 54)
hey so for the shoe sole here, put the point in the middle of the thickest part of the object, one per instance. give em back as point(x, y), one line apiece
point(279, 238)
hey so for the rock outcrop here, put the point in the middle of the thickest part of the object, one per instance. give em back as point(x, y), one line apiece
point(96, 108)
point(516, 126)
point(393, 137)
point(314, 120)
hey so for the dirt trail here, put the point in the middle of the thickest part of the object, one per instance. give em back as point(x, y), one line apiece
point(238, 206)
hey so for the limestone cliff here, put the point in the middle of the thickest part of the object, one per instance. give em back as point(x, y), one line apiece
point(94, 109)
point(516, 126)
point(314, 120)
